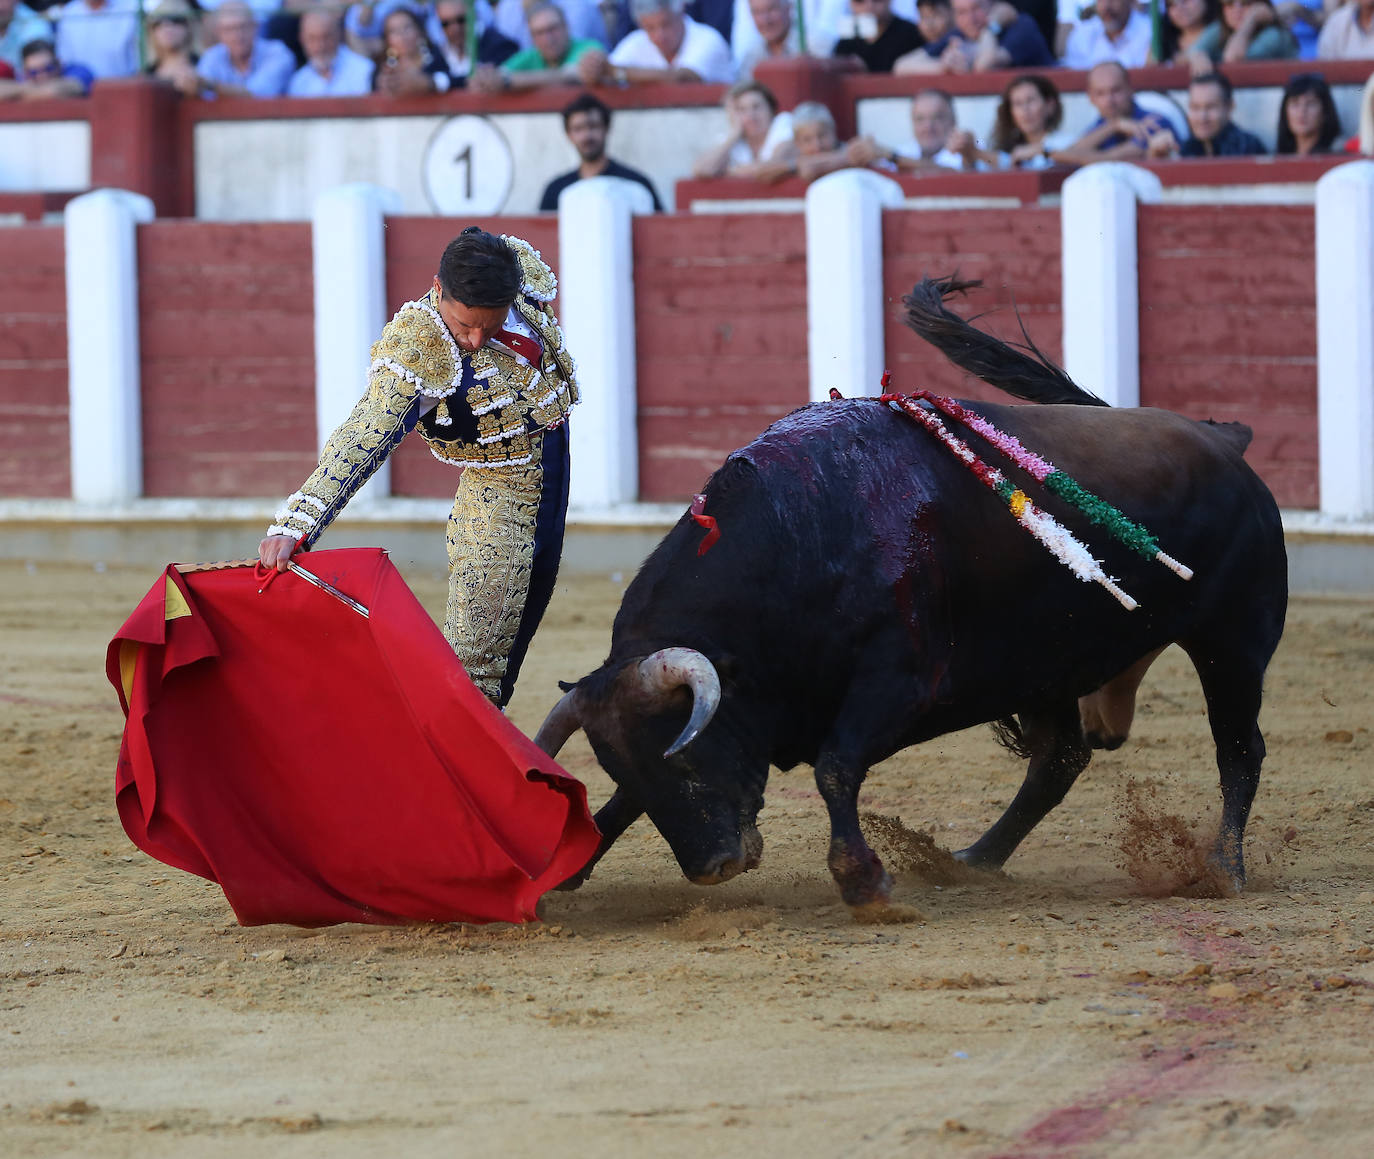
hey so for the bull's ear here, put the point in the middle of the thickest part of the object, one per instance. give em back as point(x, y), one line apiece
point(566, 685)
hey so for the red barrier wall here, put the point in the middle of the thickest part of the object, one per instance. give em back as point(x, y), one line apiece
point(36, 458)
point(1014, 252)
point(413, 248)
point(1228, 329)
point(720, 334)
point(226, 331)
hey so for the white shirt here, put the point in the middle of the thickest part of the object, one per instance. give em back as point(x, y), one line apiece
point(779, 130)
point(945, 158)
point(823, 21)
point(1342, 38)
point(1088, 43)
point(104, 39)
point(703, 50)
point(351, 76)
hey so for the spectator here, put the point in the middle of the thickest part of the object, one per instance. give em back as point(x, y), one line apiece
point(101, 35)
point(584, 17)
point(667, 47)
point(1247, 30)
point(19, 24)
point(934, 21)
point(1308, 121)
point(587, 121)
point(1348, 33)
point(978, 43)
point(1186, 22)
point(410, 65)
point(242, 63)
point(171, 56)
point(878, 38)
point(42, 76)
point(331, 68)
point(1212, 133)
point(1118, 31)
point(448, 25)
point(938, 142)
point(759, 141)
point(552, 60)
point(772, 35)
point(1363, 141)
point(1123, 130)
point(1023, 136)
point(822, 19)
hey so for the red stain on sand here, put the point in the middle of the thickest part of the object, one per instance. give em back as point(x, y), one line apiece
point(1158, 1079)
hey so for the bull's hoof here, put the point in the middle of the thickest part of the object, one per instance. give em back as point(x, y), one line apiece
point(976, 860)
point(885, 913)
point(576, 881)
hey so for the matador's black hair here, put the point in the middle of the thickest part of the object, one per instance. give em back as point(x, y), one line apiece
point(479, 269)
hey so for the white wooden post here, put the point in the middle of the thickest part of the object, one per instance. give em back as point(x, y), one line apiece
point(844, 281)
point(596, 308)
point(1101, 289)
point(348, 238)
point(103, 374)
point(1345, 341)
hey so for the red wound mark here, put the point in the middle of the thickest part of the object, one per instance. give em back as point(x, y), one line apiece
point(712, 531)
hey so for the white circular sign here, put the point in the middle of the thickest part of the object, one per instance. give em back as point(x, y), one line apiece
point(468, 167)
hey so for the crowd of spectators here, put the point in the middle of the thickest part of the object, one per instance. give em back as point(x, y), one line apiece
point(311, 48)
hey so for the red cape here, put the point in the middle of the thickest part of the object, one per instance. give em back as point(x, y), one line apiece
point(323, 766)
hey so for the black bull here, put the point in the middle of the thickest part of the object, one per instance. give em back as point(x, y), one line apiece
point(868, 593)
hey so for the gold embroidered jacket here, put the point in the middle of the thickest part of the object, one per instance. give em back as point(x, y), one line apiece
point(491, 404)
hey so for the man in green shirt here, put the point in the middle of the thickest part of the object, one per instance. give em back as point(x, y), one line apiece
point(552, 60)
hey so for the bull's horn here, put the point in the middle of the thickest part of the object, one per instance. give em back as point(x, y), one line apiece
point(563, 720)
point(669, 668)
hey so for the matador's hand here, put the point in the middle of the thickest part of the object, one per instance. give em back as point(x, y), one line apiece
point(275, 551)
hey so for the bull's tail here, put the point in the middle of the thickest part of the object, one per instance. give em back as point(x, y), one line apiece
point(1023, 372)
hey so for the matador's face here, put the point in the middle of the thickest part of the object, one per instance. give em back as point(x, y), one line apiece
point(472, 327)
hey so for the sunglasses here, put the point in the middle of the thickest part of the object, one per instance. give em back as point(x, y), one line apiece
point(170, 20)
point(452, 21)
point(51, 69)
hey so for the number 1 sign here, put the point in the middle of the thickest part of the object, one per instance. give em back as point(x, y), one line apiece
point(468, 167)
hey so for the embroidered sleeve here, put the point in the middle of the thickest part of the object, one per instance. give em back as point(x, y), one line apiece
point(361, 443)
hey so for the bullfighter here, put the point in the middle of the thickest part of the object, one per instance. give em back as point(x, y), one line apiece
point(479, 365)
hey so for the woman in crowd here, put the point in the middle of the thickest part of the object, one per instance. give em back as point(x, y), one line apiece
point(1187, 20)
point(1023, 136)
point(1247, 30)
point(171, 51)
point(409, 64)
point(759, 141)
point(1308, 122)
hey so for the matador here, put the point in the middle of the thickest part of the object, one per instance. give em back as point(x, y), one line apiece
point(479, 365)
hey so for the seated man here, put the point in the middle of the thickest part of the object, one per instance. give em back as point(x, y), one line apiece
point(1348, 32)
point(42, 76)
point(771, 35)
point(938, 142)
point(1123, 130)
point(587, 121)
point(878, 38)
point(1119, 31)
point(1211, 132)
point(552, 60)
point(668, 47)
point(242, 64)
point(979, 42)
point(331, 68)
point(101, 35)
point(448, 29)
point(19, 24)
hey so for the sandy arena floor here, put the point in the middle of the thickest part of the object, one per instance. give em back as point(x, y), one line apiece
point(1071, 1008)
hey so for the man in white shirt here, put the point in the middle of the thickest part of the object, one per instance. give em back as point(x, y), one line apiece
point(102, 35)
point(1348, 33)
point(938, 142)
point(824, 21)
point(667, 47)
point(331, 69)
point(1118, 32)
